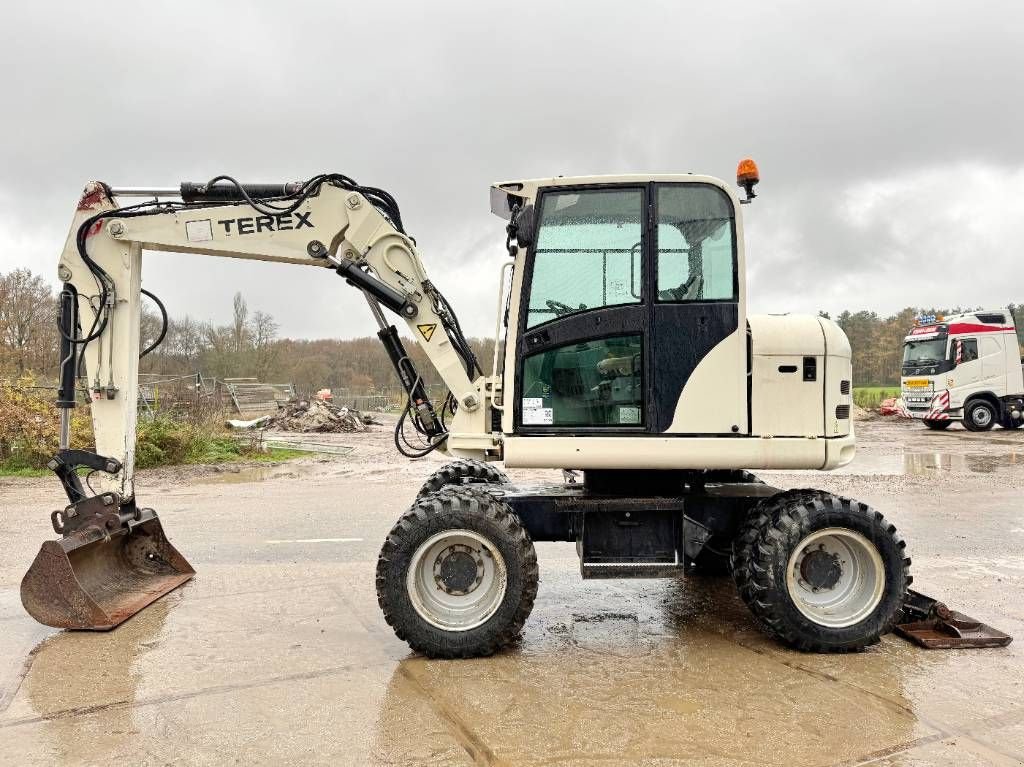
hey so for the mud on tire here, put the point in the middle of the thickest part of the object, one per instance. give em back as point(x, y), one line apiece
point(453, 511)
point(774, 537)
point(462, 472)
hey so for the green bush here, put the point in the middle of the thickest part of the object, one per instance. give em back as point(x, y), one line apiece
point(29, 433)
point(870, 397)
point(30, 426)
point(163, 441)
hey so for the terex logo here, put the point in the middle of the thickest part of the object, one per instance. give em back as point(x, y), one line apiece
point(254, 224)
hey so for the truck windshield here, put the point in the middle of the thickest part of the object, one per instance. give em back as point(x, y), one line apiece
point(932, 350)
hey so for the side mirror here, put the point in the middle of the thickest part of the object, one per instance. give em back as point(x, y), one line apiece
point(523, 223)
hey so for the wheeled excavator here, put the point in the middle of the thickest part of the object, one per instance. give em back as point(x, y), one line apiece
point(625, 357)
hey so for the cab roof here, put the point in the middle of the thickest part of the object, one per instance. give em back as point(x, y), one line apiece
point(506, 193)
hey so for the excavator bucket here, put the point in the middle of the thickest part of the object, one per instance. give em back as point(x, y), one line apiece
point(101, 574)
point(927, 622)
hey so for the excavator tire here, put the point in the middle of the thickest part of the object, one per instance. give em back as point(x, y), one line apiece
point(759, 516)
point(457, 575)
point(465, 471)
point(821, 573)
point(937, 425)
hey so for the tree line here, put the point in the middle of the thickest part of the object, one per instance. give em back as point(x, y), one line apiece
point(250, 346)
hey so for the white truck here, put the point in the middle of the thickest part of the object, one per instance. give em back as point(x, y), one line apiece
point(964, 367)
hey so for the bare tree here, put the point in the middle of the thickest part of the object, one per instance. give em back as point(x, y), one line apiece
point(240, 325)
point(28, 331)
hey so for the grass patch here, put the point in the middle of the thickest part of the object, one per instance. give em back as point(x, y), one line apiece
point(870, 397)
point(10, 469)
point(165, 442)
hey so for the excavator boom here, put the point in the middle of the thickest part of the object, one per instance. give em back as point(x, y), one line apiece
point(113, 558)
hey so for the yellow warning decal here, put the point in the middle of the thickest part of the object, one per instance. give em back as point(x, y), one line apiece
point(427, 330)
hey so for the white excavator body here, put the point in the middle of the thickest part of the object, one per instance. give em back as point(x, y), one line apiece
point(625, 350)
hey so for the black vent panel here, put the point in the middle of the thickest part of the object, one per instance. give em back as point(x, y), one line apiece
point(992, 318)
point(844, 387)
point(843, 412)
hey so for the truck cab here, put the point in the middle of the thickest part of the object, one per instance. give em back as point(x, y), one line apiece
point(963, 367)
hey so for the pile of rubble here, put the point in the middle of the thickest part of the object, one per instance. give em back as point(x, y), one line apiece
point(318, 416)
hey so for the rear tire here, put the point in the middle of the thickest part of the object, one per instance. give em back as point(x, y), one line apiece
point(822, 573)
point(937, 425)
point(465, 471)
point(980, 415)
point(457, 575)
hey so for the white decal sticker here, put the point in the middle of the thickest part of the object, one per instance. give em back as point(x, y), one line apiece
point(533, 403)
point(199, 231)
point(543, 416)
point(629, 415)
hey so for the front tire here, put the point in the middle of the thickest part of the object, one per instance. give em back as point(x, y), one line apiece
point(937, 425)
point(980, 415)
point(465, 471)
point(822, 573)
point(457, 575)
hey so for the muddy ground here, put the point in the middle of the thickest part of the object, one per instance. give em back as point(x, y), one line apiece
point(276, 652)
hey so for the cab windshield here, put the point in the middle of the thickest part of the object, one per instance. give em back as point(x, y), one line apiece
point(931, 351)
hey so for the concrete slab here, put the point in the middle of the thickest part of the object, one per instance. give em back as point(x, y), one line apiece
point(277, 654)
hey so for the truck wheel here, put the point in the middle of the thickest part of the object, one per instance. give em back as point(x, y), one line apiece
point(937, 425)
point(464, 471)
point(979, 415)
point(823, 573)
point(457, 575)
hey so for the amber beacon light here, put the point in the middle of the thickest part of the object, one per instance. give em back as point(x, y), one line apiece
point(747, 177)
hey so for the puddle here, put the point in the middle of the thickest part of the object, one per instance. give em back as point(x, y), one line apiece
point(924, 464)
point(253, 474)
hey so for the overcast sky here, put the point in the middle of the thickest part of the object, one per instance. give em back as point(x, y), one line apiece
point(889, 135)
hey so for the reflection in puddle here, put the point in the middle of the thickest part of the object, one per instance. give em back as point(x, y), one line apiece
point(919, 464)
point(253, 474)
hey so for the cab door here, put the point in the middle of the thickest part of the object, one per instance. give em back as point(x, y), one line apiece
point(967, 363)
point(583, 346)
point(700, 352)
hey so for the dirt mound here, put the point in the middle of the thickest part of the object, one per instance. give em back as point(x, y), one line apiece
point(318, 416)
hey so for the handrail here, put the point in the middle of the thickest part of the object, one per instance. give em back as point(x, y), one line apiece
point(507, 266)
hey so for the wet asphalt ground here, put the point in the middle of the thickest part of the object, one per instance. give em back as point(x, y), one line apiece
point(276, 652)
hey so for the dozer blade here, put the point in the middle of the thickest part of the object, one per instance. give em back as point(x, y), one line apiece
point(929, 623)
point(104, 572)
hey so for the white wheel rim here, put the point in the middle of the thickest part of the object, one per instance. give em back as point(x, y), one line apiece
point(836, 577)
point(981, 416)
point(456, 580)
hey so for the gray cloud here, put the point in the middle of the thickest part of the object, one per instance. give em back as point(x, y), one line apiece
point(887, 133)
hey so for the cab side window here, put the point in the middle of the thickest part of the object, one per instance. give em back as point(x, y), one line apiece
point(696, 247)
point(965, 350)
